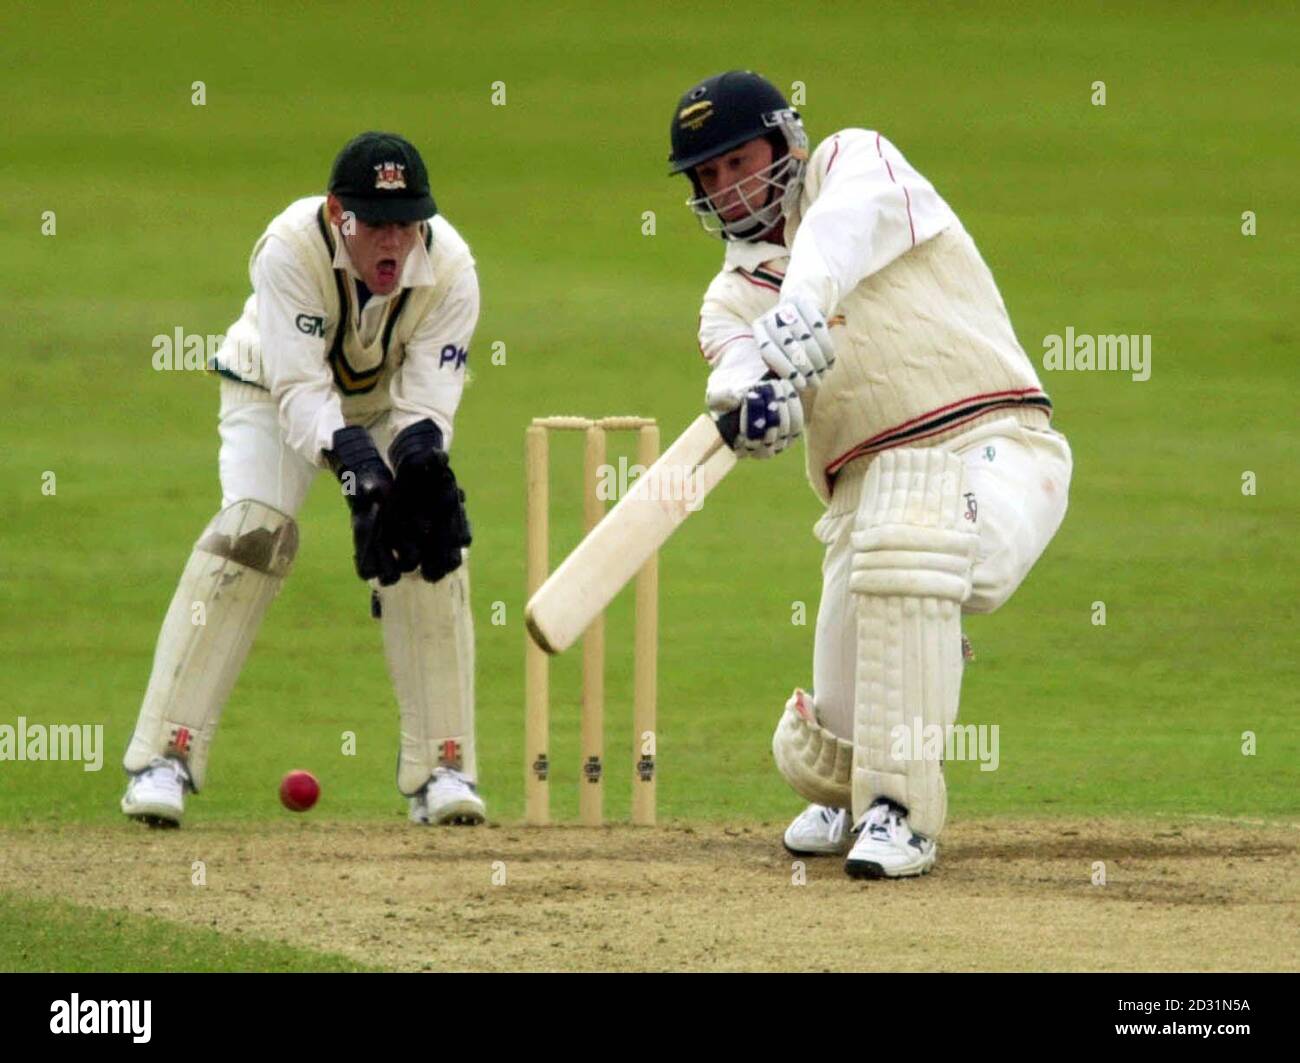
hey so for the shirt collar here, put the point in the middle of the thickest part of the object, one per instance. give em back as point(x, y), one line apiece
point(416, 273)
point(742, 254)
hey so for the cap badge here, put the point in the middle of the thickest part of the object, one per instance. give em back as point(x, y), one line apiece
point(390, 175)
point(695, 115)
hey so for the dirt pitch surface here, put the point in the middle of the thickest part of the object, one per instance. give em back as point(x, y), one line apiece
point(1178, 895)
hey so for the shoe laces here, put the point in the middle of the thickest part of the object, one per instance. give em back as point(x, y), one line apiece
point(881, 821)
point(452, 777)
point(835, 818)
point(170, 765)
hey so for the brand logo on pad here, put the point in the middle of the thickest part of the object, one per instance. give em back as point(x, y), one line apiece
point(972, 510)
point(180, 743)
point(390, 175)
point(451, 755)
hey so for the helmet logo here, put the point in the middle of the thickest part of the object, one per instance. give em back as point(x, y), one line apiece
point(698, 91)
point(773, 119)
point(695, 115)
point(390, 175)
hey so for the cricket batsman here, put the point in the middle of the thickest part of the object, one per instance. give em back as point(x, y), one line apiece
point(349, 355)
point(853, 307)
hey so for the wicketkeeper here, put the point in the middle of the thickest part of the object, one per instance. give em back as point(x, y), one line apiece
point(854, 307)
point(349, 355)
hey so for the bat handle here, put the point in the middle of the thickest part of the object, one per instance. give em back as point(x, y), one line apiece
point(729, 423)
point(729, 427)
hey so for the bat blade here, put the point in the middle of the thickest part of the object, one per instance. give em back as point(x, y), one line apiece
point(643, 520)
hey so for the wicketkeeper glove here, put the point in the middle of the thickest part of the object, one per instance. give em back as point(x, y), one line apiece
point(367, 485)
point(429, 527)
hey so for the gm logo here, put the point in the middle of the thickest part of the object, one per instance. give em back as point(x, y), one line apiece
point(312, 326)
point(456, 356)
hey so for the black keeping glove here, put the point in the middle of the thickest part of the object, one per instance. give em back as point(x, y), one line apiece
point(368, 487)
point(429, 527)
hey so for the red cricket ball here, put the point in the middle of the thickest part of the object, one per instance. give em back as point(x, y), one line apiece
point(299, 791)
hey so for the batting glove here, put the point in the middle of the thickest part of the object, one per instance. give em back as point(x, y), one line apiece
point(771, 418)
point(795, 343)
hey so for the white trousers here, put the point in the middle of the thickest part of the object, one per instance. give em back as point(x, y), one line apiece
point(255, 461)
point(1020, 479)
point(428, 630)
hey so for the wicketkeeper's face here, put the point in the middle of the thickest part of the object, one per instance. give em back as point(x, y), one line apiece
point(730, 180)
point(377, 251)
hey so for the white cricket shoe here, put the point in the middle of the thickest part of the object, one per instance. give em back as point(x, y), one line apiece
point(819, 831)
point(448, 797)
point(156, 796)
point(887, 847)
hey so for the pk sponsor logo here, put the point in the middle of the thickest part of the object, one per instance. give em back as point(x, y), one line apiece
point(454, 356)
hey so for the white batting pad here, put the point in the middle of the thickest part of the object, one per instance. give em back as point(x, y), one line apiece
point(813, 761)
point(914, 546)
point(234, 571)
point(429, 644)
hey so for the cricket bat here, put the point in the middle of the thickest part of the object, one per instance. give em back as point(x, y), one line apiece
point(627, 537)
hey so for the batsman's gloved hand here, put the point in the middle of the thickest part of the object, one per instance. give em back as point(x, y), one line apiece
point(768, 419)
point(368, 486)
point(795, 342)
point(429, 527)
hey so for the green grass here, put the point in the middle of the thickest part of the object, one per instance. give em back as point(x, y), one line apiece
point(40, 936)
point(1123, 218)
